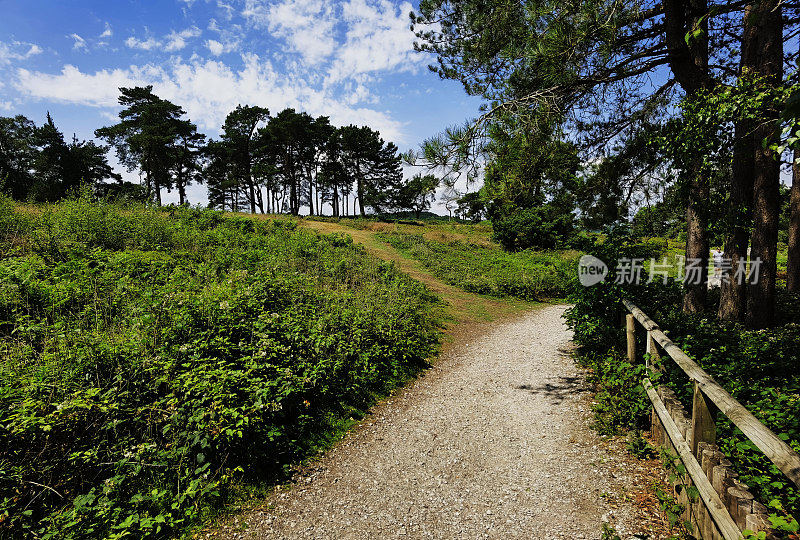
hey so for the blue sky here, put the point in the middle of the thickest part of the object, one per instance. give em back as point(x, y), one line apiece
point(351, 60)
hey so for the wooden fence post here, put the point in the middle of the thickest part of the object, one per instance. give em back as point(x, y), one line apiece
point(630, 325)
point(652, 350)
point(704, 426)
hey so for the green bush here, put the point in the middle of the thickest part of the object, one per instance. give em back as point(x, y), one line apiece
point(155, 361)
point(542, 227)
point(527, 275)
point(759, 368)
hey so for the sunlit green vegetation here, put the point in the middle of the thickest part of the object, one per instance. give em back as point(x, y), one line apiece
point(154, 361)
point(487, 269)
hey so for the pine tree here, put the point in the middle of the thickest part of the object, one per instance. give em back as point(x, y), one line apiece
point(145, 136)
point(239, 134)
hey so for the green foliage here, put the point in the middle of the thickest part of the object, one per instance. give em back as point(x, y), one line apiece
point(526, 275)
point(155, 361)
point(620, 400)
point(472, 207)
point(609, 533)
point(417, 194)
point(678, 477)
point(757, 367)
point(639, 447)
point(153, 136)
point(542, 227)
point(38, 164)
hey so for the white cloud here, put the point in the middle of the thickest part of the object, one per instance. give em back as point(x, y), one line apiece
point(349, 38)
point(175, 41)
point(378, 38)
point(215, 47)
point(207, 90)
point(144, 45)
point(227, 9)
point(307, 26)
point(14, 51)
point(172, 42)
point(80, 43)
point(229, 37)
point(107, 32)
point(73, 86)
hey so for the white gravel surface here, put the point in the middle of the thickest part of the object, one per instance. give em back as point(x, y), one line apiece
point(492, 442)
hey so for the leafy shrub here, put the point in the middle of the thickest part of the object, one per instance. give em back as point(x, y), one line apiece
point(154, 361)
point(757, 367)
point(542, 227)
point(620, 402)
point(527, 275)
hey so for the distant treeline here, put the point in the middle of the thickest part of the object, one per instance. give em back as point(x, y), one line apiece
point(260, 163)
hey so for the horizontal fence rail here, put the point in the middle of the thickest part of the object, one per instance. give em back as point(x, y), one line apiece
point(726, 507)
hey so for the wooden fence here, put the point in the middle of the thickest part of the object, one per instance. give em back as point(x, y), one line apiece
point(725, 507)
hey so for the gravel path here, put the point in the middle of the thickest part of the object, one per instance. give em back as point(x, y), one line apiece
point(493, 442)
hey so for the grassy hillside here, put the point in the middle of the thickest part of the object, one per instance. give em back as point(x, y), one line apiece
point(153, 361)
point(465, 255)
point(486, 269)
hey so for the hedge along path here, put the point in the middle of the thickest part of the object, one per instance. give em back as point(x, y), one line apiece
point(492, 442)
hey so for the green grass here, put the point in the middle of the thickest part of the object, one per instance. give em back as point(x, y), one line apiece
point(486, 269)
point(158, 366)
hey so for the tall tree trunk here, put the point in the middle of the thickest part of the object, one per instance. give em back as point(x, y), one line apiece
point(260, 200)
point(335, 201)
point(733, 293)
point(360, 195)
point(158, 192)
point(764, 251)
point(251, 191)
point(766, 182)
point(292, 196)
point(688, 60)
point(793, 268)
point(310, 196)
point(697, 243)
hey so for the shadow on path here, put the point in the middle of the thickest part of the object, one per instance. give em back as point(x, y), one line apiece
point(564, 388)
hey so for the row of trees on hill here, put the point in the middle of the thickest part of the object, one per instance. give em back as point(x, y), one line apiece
point(260, 162)
point(265, 163)
point(688, 102)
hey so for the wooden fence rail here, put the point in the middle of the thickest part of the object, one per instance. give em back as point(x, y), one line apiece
point(725, 507)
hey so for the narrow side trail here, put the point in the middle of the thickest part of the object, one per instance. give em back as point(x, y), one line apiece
point(492, 442)
point(463, 306)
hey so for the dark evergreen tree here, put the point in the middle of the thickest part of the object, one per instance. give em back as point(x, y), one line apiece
point(417, 194)
point(187, 158)
point(472, 206)
point(287, 142)
point(374, 165)
point(17, 152)
point(146, 136)
point(224, 190)
point(239, 133)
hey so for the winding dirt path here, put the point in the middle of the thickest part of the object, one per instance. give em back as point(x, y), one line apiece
point(492, 442)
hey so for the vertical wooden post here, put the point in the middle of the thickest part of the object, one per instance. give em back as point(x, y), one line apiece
point(630, 326)
point(654, 354)
point(704, 426)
